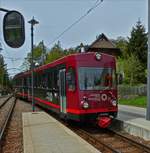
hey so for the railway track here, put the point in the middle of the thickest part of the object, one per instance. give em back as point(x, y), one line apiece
point(4, 100)
point(144, 148)
point(108, 141)
point(13, 136)
point(6, 109)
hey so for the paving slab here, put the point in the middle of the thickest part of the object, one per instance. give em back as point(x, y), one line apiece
point(132, 120)
point(138, 127)
point(43, 134)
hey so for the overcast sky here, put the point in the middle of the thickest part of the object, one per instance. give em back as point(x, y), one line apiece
point(112, 17)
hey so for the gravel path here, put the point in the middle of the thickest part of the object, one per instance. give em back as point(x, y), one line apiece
point(13, 141)
point(4, 111)
point(2, 99)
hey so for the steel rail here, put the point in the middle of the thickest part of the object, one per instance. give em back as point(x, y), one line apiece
point(96, 140)
point(3, 96)
point(139, 145)
point(5, 101)
point(134, 142)
point(105, 146)
point(5, 123)
point(91, 137)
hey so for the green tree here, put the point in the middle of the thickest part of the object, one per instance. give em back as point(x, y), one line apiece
point(25, 65)
point(39, 56)
point(131, 68)
point(4, 77)
point(137, 43)
point(133, 62)
point(121, 43)
point(2, 70)
point(70, 51)
point(55, 53)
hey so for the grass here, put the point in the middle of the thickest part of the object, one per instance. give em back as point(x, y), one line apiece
point(138, 101)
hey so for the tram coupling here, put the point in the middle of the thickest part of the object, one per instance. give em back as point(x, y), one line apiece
point(104, 121)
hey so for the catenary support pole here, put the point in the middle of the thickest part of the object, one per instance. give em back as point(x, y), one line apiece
point(32, 22)
point(148, 67)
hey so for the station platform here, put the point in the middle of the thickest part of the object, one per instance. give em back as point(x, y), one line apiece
point(43, 134)
point(133, 120)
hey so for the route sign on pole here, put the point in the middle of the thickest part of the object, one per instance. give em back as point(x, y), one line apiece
point(14, 30)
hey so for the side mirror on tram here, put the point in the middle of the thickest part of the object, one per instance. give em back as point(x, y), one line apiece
point(70, 81)
point(119, 78)
point(14, 29)
point(68, 76)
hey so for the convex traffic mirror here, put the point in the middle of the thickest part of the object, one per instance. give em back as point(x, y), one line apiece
point(14, 29)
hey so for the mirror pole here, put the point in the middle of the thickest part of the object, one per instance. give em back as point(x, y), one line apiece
point(4, 10)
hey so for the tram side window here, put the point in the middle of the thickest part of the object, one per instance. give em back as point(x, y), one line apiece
point(35, 81)
point(44, 80)
point(50, 80)
point(22, 82)
point(29, 81)
point(16, 82)
point(71, 79)
point(39, 81)
point(19, 82)
point(25, 82)
point(55, 79)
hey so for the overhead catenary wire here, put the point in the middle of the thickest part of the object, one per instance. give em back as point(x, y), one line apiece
point(8, 56)
point(97, 3)
point(13, 59)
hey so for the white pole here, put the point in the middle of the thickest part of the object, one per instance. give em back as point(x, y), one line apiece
point(148, 67)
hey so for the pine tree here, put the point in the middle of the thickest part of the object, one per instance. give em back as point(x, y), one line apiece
point(133, 62)
point(4, 77)
point(121, 43)
point(137, 43)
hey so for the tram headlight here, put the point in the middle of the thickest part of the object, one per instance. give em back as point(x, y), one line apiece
point(114, 102)
point(98, 56)
point(85, 105)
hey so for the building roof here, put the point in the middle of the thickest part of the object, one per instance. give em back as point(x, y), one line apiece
point(103, 42)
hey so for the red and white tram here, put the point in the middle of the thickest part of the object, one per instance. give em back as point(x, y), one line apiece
point(79, 87)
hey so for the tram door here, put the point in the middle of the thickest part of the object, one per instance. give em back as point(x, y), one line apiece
point(62, 90)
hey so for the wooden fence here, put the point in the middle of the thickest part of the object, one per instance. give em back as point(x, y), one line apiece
point(128, 91)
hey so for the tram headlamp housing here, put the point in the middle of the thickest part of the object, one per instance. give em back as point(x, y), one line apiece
point(85, 105)
point(114, 102)
point(98, 56)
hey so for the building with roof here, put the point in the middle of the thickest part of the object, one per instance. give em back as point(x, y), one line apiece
point(104, 45)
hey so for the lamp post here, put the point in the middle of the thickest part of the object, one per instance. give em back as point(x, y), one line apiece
point(32, 22)
point(148, 67)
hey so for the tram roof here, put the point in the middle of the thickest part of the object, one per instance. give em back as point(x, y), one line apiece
point(71, 57)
